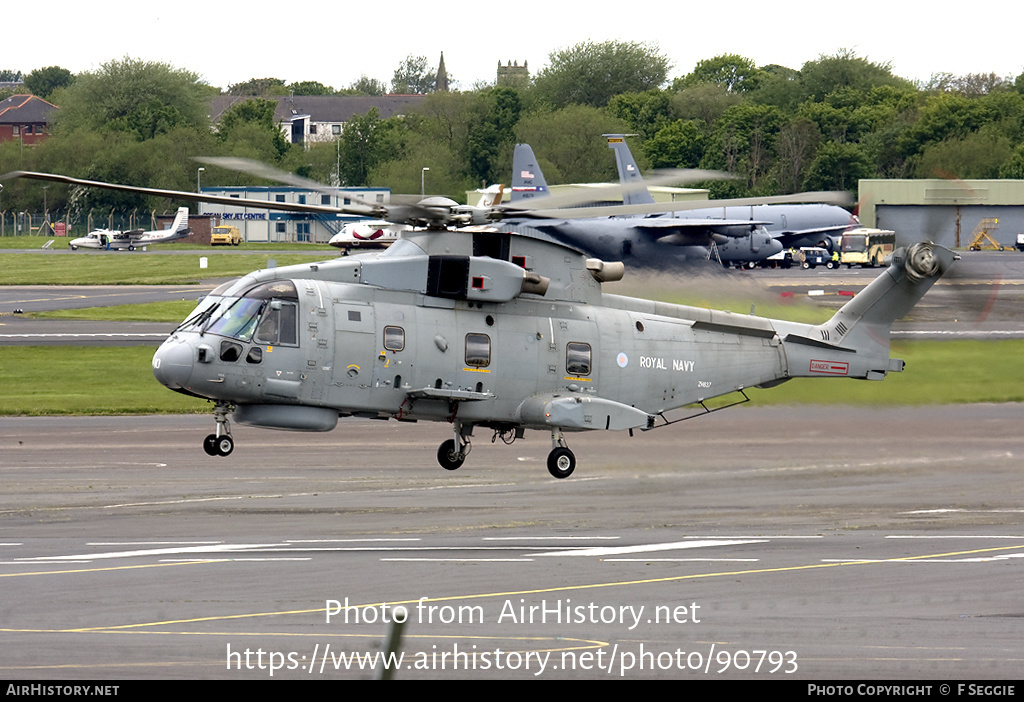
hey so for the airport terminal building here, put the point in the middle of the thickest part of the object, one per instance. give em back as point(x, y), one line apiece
point(261, 225)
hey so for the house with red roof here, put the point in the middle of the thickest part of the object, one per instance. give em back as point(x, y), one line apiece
point(25, 118)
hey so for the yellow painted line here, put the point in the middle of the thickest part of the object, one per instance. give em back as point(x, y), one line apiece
point(101, 570)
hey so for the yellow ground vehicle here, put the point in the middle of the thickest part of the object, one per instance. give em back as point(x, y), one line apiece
point(866, 246)
point(225, 235)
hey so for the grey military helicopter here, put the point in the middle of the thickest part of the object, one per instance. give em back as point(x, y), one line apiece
point(483, 328)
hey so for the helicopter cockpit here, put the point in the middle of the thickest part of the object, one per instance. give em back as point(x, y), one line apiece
point(266, 314)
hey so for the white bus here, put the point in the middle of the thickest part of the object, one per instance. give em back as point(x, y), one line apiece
point(866, 246)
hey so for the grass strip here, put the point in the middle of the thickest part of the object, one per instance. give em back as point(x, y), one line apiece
point(62, 380)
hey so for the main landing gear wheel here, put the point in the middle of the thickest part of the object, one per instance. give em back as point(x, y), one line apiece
point(449, 456)
point(218, 445)
point(561, 462)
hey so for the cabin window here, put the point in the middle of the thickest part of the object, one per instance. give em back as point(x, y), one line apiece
point(394, 338)
point(478, 350)
point(577, 358)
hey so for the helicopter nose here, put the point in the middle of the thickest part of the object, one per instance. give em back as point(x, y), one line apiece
point(172, 364)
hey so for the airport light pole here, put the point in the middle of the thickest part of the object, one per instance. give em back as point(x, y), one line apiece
point(199, 187)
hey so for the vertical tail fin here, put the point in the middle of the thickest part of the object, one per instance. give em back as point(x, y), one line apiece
point(492, 196)
point(180, 220)
point(629, 172)
point(527, 179)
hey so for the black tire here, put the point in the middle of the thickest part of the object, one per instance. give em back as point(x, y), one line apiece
point(561, 462)
point(210, 445)
point(448, 457)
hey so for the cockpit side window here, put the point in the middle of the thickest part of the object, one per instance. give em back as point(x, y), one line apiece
point(279, 324)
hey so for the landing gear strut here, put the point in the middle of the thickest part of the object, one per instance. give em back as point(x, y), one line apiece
point(452, 453)
point(561, 461)
point(220, 443)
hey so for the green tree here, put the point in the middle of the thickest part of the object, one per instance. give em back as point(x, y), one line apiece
point(368, 86)
point(491, 137)
point(838, 166)
point(402, 174)
point(591, 74)
point(258, 87)
point(705, 102)
point(137, 97)
point(43, 81)
point(414, 76)
point(743, 142)
point(845, 69)
point(249, 129)
point(679, 144)
point(779, 86)
point(1013, 167)
point(309, 87)
point(796, 146)
point(366, 142)
point(568, 145)
point(980, 154)
point(730, 71)
point(943, 116)
point(646, 112)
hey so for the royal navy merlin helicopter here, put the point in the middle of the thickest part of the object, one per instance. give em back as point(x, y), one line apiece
point(481, 328)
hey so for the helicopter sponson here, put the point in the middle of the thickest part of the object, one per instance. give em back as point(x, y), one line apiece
point(504, 332)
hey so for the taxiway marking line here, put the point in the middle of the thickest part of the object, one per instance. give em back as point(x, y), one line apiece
point(100, 570)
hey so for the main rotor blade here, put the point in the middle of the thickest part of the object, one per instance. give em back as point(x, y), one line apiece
point(831, 198)
point(364, 210)
point(400, 213)
point(612, 191)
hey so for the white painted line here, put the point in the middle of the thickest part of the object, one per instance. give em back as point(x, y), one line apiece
point(348, 541)
point(551, 538)
point(648, 548)
point(458, 560)
point(682, 560)
point(214, 548)
point(954, 536)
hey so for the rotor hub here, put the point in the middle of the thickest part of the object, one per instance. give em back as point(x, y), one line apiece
point(921, 261)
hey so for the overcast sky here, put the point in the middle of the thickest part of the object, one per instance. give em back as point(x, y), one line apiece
point(336, 43)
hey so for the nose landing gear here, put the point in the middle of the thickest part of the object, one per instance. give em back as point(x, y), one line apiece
point(220, 443)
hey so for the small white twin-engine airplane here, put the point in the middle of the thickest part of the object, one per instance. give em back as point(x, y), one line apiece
point(133, 239)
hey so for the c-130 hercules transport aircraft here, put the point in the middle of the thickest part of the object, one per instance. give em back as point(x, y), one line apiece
point(482, 328)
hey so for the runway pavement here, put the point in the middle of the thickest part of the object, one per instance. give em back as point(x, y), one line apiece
point(805, 543)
